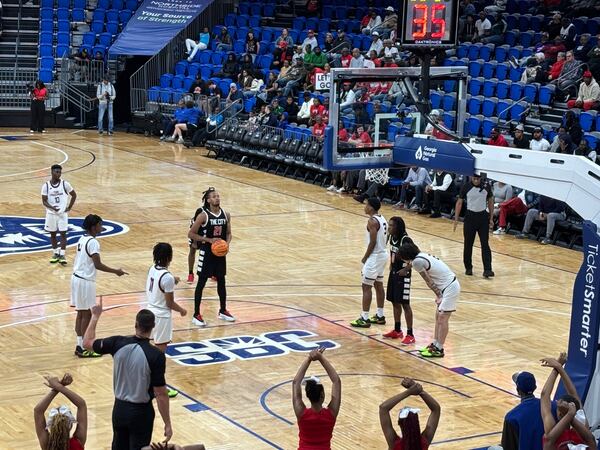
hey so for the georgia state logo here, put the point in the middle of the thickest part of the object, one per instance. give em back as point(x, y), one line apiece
point(27, 234)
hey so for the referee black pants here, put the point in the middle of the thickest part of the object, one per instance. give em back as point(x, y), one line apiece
point(132, 425)
point(477, 223)
point(38, 110)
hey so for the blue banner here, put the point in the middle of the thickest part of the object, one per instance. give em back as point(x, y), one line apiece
point(154, 24)
point(585, 322)
point(434, 154)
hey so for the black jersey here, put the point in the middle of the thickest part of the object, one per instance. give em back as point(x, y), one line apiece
point(395, 262)
point(215, 225)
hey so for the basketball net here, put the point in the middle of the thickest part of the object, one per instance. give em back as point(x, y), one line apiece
point(379, 176)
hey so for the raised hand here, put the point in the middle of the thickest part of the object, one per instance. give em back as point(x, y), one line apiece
point(97, 309)
point(67, 379)
point(562, 358)
point(52, 382)
point(408, 382)
point(550, 362)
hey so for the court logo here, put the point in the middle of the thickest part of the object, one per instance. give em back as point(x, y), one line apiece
point(228, 349)
point(27, 234)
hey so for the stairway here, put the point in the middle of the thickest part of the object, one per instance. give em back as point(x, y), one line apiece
point(19, 41)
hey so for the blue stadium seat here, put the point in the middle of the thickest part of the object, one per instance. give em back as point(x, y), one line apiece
point(181, 67)
point(474, 125)
point(449, 101)
point(294, 34)
point(112, 27)
point(485, 52)
point(166, 95)
point(298, 23)
point(489, 106)
point(206, 71)
point(515, 51)
point(530, 92)
point(598, 123)
point(124, 16)
point(512, 21)
point(241, 32)
point(516, 90)
point(473, 53)
point(79, 4)
point(64, 26)
point(267, 35)
point(204, 57)
point(475, 68)
point(503, 89)
point(449, 119)
point(526, 38)
point(268, 10)
point(254, 21)
point(46, 50)
point(489, 87)
point(177, 81)
point(517, 111)
point(89, 38)
point(47, 25)
point(165, 80)
point(311, 23)
point(97, 26)
point(112, 15)
point(47, 63)
point(502, 108)
point(64, 4)
point(217, 58)
point(587, 120)
point(502, 71)
point(230, 19)
point(489, 69)
point(153, 93)
point(131, 5)
point(449, 85)
point(46, 38)
point(78, 15)
point(323, 24)
point(117, 4)
point(341, 13)
point(224, 86)
point(476, 85)
point(524, 22)
point(187, 83)
point(487, 125)
point(63, 38)
point(63, 14)
point(593, 26)
point(537, 22)
point(255, 9)
point(463, 50)
point(47, 4)
point(193, 69)
point(510, 37)
point(366, 42)
point(244, 8)
point(46, 14)
point(436, 99)
point(45, 75)
point(501, 53)
point(99, 48)
point(239, 46)
point(63, 50)
point(474, 104)
point(580, 24)
point(265, 61)
point(105, 39)
point(99, 14)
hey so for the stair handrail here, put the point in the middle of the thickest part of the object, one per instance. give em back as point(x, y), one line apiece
point(229, 108)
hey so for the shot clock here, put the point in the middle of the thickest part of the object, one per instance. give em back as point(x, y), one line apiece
point(429, 23)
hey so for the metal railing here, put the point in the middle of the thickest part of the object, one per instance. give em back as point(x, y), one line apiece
point(164, 61)
point(73, 99)
point(230, 112)
point(162, 101)
point(81, 71)
point(15, 85)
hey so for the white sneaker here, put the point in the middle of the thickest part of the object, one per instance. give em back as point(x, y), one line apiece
point(332, 188)
point(500, 231)
point(199, 321)
point(180, 140)
point(227, 316)
point(340, 190)
point(414, 207)
point(170, 139)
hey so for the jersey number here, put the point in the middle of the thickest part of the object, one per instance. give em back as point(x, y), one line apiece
point(217, 231)
point(151, 284)
point(56, 199)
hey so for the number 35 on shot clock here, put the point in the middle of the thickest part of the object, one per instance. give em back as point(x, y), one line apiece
point(429, 23)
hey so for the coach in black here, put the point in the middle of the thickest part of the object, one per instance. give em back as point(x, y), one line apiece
point(478, 220)
point(138, 377)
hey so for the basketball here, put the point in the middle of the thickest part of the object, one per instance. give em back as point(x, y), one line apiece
point(219, 248)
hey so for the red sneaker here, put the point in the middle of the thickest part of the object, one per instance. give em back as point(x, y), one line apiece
point(408, 340)
point(394, 335)
point(190, 279)
point(198, 320)
point(227, 316)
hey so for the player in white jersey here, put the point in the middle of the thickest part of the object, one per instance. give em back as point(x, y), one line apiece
point(83, 280)
point(160, 293)
point(55, 197)
point(374, 263)
point(442, 281)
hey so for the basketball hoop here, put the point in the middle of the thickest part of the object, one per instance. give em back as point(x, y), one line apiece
point(379, 176)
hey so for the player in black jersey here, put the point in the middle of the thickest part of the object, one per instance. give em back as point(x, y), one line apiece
point(211, 224)
point(193, 248)
point(398, 288)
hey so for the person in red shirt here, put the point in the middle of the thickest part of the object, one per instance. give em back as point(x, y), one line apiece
point(556, 68)
point(360, 137)
point(316, 423)
point(54, 432)
point(316, 109)
point(497, 139)
point(318, 129)
point(38, 107)
point(572, 427)
point(345, 58)
point(408, 419)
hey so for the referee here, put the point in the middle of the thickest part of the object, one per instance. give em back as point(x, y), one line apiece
point(138, 377)
point(478, 220)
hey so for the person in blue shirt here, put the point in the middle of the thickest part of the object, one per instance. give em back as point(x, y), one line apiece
point(201, 44)
point(209, 131)
point(235, 98)
point(188, 121)
point(169, 124)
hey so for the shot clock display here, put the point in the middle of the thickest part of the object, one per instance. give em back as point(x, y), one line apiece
point(429, 23)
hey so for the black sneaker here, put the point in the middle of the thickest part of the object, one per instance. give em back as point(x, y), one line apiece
point(377, 320)
point(469, 272)
point(83, 353)
point(488, 273)
point(435, 215)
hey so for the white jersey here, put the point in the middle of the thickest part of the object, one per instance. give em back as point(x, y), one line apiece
point(438, 271)
point(58, 195)
point(160, 281)
point(84, 264)
point(381, 241)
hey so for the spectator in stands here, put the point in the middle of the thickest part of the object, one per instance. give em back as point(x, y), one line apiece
point(285, 67)
point(316, 110)
point(244, 79)
point(284, 37)
point(360, 115)
point(389, 23)
point(376, 43)
point(496, 138)
point(99, 56)
point(230, 68)
point(269, 118)
point(254, 89)
point(584, 149)
point(538, 142)
point(223, 40)
point(291, 108)
point(311, 40)
point(568, 33)
point(198, 85)
point(396, 94)
point(358, 60)
point(328, 43)
point(519, 140)
point(340, 43)
point(502, 193)
point(467, 29)
point(553, 50)
point(248, 65)
point(440, 190)
point(298, 54)
point(497, 6)
point(105, 94)
point(360, 137)
point(566, 144)
point(235, 98)
point(276, 107)
point(589, 94)
point(515, 206)
point(554, 26)
point(523, 426)
point(318, 129)
point(534, 65)
point(252, 46)
point(304, 113)
point(207, 131)
point(467, 8)
point(193, 46)
point(594, 59)
point(389, 50)
point(569, 75)
point(572, 427)
point(548, 210)
point(316, 59)
point(313, 75)
point(54, 432)
point(39, 94)
point(373, 21)
point(283, 49)
point(483, 26)
point(347, 97)
point(573, 128)
point(188, 121)
point(316, 423)
point(408, 419)
point(270, 90)
point(497, 31)
point(313, 8)
point(416, 180)
point(582, 50)
point(169, 124)
point(556, 68)
point(293, 78)
point(214, 94)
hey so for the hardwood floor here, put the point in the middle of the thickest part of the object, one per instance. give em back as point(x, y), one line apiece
point(294, 265)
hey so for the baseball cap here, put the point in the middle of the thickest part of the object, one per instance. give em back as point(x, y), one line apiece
point(390, 8)
point(520, 127)
point(435, 112)
point(587, 73)
point(537, 129)
point(374, 33)
point(525, 382)
point(311, 31)
point(232, 85)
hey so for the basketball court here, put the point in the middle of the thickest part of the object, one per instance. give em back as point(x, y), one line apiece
point(294, 279)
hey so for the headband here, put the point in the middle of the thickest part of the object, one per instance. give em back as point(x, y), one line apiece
point(317, 380)
point(403, 413)
point(64, 410)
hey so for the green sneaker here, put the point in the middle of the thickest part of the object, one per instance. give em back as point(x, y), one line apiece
point(55, 258)
point(62, 260)
point(360, 323)
point(375, 319)
point(433, 352)
point(82, 353)
point(426, 349)
point(172, 393)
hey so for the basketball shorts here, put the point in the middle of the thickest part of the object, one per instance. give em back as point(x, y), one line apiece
point(398, 289)
point(192, 243)
point(56, 222)
point(374, 268)
point(163, 330)
point(83, 293)
point(210, 265)
point(450, 296)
